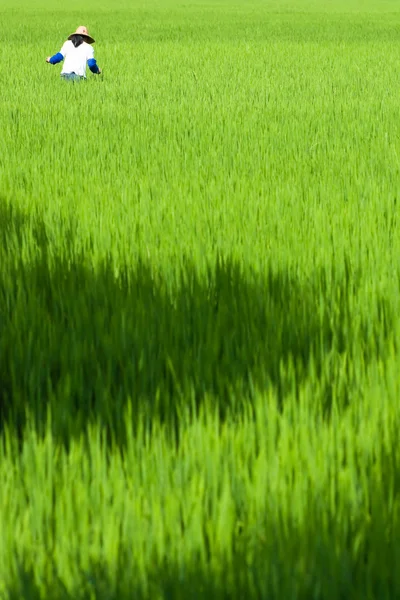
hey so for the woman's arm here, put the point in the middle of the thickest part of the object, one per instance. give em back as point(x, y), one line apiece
point(57, 58)
point(93, 66)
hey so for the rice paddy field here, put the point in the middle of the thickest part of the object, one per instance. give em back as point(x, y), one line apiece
point(199, 302)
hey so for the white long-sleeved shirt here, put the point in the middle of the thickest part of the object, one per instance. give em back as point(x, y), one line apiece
point(75, 59)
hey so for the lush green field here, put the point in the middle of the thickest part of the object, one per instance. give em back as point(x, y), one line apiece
point(199, 302)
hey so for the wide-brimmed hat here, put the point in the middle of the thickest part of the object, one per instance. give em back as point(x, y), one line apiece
point(82, 30)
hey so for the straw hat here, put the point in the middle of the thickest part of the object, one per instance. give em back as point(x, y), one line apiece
point(82, 30)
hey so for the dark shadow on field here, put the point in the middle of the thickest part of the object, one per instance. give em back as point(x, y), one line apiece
point(83, 342)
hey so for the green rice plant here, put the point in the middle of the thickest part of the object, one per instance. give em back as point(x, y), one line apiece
point(199, 302)
point(277, 504)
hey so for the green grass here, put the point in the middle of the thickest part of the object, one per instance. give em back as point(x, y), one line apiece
point(199, 302)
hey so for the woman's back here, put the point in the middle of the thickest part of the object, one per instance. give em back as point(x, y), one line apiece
point(75, 58)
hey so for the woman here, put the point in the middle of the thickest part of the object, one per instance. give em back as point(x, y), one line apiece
point(76, 53)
